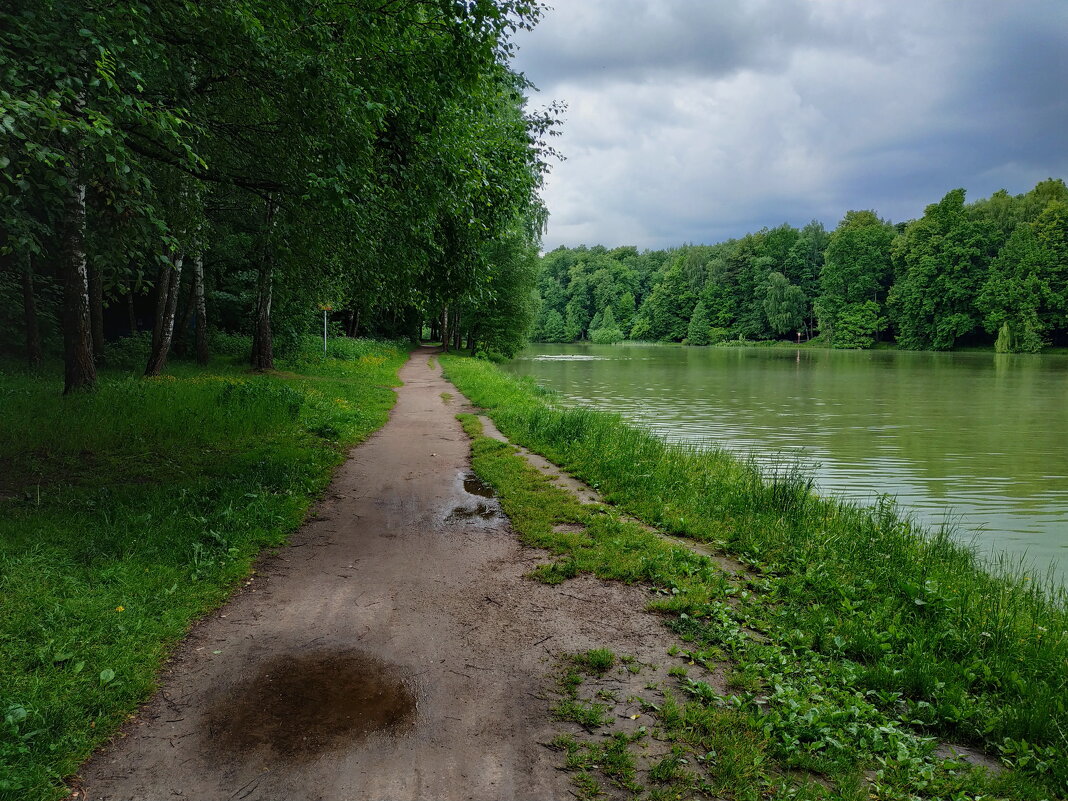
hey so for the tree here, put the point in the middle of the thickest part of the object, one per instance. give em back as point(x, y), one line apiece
point(624, 310)
point(942, 259)
point(553, 330)
point(804, 263)
point(784, 304)
point(500, 320)
point(697, 330)
point(856, 270)
point(1025, 295)
point(362, 151)
point(857, 325)
point(668, 307)
point(608, 332)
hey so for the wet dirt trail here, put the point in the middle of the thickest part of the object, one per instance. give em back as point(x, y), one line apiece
point(392, 650)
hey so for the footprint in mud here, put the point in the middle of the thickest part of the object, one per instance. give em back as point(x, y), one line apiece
point(299, 706)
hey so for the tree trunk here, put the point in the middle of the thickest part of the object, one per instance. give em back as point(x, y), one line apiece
point(181, 330)
point(34, 354)
point(262, 351)
point(445, 333)
point(166, 309)
point(96, 311)
point(131, 311)
point(201, 333)
point(79, 371)
point(457, 337)
point(163, 283)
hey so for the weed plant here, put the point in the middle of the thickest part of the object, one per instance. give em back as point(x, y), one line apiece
point(873, 631)
point(128, 512)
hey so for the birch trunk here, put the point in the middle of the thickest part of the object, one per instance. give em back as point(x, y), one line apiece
point(166, 309)
point(79, 371)
point(201, 332)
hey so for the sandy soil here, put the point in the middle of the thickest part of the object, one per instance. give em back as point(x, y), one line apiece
point(392, 650)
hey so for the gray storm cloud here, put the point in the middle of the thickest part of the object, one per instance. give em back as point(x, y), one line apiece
point(694, 122)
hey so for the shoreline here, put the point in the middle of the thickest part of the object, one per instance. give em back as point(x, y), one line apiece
point(878, 603)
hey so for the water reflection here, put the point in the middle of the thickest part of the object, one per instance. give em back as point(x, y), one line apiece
point(973, 439)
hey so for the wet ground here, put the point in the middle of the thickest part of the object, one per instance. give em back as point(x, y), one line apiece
point(299, 706)
point(393, 650)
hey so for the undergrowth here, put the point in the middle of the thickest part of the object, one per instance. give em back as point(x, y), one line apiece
point(856, 642)
point(128, 512)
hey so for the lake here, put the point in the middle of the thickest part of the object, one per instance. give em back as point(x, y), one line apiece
point(979, 440)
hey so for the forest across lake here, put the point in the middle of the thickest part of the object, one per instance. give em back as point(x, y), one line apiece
point(970, 439)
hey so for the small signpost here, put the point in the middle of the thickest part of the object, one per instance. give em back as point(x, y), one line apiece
point(326, 308)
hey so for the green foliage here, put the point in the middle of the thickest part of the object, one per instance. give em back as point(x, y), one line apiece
point(857, 325)
point(670, 304)
point(717, 335)
point(378, 159)
point(941, 261)
point(130, 353)
point(1025, 296)
point(698, 331)
point(582, 285)
point(999, 262)
point(608, 331)
point(856, 271)
point(553, 328)
point(784, 304)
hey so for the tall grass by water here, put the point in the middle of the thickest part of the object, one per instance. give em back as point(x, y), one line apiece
point(958, 650)
point(128, 512)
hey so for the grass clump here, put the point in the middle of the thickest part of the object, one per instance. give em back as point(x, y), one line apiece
point(598, 661)
point(857, 639)
point(128, 512)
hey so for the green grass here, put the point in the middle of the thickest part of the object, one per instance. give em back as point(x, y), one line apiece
point(857, 641)
point(129, 512)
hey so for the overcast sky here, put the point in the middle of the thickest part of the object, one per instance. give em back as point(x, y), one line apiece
point(701, 120)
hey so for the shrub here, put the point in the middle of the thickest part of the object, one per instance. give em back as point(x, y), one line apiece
point(129, 352)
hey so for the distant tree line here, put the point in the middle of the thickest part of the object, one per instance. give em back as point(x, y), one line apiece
point(240, 164)
point(995, 270)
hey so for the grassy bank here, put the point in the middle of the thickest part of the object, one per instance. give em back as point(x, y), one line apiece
point(127, 513)
point(872, 639)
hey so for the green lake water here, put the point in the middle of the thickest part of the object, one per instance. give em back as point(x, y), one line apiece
point(977, 440)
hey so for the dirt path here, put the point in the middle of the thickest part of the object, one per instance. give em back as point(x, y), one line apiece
point(392, 650)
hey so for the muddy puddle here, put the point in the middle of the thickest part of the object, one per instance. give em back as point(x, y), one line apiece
point(479, 510)
point(473, 485)
point(298, 706)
